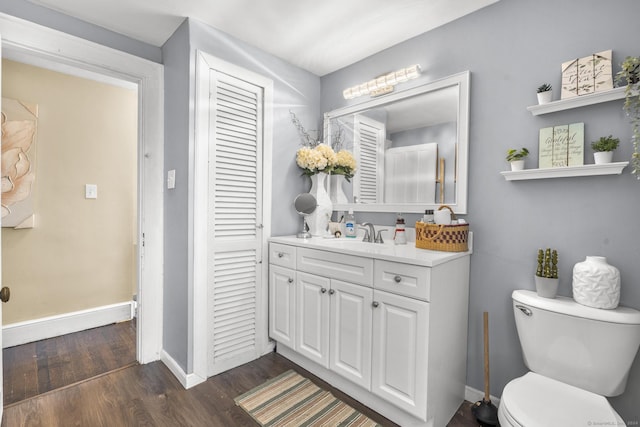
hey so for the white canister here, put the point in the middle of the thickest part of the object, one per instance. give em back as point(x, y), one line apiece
point(442, 216)
point(596, 283)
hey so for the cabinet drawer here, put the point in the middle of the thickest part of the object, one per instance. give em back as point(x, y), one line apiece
point(282, 255)
point(348, 268)
point(403, 279)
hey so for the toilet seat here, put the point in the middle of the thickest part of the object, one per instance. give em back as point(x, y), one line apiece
point(534, 400)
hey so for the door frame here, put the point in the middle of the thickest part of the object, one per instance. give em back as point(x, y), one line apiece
point(48, 48)
point(198, 199)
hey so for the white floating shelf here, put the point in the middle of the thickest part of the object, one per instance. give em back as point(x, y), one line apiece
point(566, 171)
point(578, 101)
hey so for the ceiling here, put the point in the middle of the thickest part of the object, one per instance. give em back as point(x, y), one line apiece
point(319, 36)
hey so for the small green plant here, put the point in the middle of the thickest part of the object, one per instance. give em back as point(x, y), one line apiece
point(605, 143)
point(630, 75)
point(546, 87)
point(547, 263)
point(514, 154)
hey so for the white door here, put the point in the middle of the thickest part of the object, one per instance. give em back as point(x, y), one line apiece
point(234, 216)
point(400, 344)
point(312, 317)
point(350, 332)
point(282, 305)
point(1, 284)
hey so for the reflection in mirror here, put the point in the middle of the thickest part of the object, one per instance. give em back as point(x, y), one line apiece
point(305, 204)
point(411, 148)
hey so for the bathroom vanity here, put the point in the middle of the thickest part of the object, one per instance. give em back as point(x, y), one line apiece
point(386, 324)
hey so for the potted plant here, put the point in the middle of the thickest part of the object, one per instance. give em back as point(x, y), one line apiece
point(603, 149)
point(516, 158)
point(630, 74)
point(547, 273)
point(545, 94)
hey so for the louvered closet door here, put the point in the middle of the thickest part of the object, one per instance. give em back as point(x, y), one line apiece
point(369, 137)
point(234, 222)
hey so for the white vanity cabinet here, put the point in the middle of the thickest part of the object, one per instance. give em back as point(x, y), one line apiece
point(386, 325)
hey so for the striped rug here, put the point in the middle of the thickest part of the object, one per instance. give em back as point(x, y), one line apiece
point(292, 400)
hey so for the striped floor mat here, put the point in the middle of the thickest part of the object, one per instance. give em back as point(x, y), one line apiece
point(292, 400)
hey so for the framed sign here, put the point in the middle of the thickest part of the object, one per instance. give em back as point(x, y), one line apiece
point(561, 146)
point(586, 75)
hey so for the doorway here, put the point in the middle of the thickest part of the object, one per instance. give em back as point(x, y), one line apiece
point(28, 42)
point(71, 260)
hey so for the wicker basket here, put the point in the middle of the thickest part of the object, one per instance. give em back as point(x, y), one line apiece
point(441, 237)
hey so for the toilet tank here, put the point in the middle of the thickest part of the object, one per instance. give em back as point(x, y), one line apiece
point(589, 348)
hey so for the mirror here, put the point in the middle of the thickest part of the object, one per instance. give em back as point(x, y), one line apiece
point(411, 148)
point(305, 204)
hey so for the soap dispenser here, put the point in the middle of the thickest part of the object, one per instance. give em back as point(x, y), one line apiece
point(400, 237)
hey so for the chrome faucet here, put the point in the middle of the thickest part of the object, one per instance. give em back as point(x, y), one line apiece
point(370, 234)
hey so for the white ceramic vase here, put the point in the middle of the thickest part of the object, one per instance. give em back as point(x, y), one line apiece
point(545, 97)
point(546, 287)
point(596, 283)
point(318, 221)
point(602, 157)
point(517, 165)
point(335, 189)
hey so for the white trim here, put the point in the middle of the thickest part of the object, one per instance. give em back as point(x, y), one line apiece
point(472, 395)
point(198, 199)
point(27, 38)
point(187, 380)
point(62, 324)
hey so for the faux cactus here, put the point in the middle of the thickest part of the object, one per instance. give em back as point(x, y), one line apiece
point(547, 263)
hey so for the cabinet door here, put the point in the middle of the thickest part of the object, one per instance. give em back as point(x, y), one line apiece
point(312, 315)
point(400, 344)
point(350, 333)
point(282, 305)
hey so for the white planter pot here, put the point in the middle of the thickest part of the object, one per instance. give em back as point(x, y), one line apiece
point(546, 287)
point(602, 157)
point(596, 283)
point(545, 97)
point(318, 221)
point(335, 189)
point(517, 165)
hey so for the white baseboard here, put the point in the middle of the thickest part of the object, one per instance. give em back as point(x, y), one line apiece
point(472, 395)
point(53, 326)
point(187, 380)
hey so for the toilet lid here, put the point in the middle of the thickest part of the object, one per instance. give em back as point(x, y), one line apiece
point(535, 400)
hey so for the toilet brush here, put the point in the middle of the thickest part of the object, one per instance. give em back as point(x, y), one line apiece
point(486, 412)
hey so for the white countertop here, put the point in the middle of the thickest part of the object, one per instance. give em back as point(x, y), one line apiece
point(386, 251)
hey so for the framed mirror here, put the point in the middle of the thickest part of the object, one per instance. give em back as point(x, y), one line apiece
point(411, 148)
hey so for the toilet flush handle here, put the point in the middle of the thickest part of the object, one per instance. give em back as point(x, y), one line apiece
point(524, 309)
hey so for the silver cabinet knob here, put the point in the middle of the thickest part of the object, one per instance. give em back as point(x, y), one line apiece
point(331, 291)
point(323, 290)
point(397, 279)
point(280, 254)
point(375, 304)
point(290, 280)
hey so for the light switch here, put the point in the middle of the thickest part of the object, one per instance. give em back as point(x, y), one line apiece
point(90, 191)
point(171, 179)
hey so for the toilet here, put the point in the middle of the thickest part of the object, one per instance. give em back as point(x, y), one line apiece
point(576, 355)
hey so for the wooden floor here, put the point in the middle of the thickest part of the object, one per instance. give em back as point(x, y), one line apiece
point(39, 367)
point(149, 395)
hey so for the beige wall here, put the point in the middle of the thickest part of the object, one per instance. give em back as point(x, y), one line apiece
point(81, 253)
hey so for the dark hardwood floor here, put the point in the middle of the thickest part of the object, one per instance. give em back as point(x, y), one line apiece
point(149, 395)
point(39, 367)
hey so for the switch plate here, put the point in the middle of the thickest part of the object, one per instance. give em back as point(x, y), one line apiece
point(90, 191)
point(171, 179)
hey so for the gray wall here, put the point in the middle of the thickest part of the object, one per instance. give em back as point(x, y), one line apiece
point(294, 89)
point(511, 48)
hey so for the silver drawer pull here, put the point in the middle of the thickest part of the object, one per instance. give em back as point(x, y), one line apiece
point(280, 254)
point(323, 290)
point(397, 279)
point(332, 291)
point(290, 280)
point(524, 309)
point(375, 304)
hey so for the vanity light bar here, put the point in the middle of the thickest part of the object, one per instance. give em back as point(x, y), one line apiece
point(383, 84)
